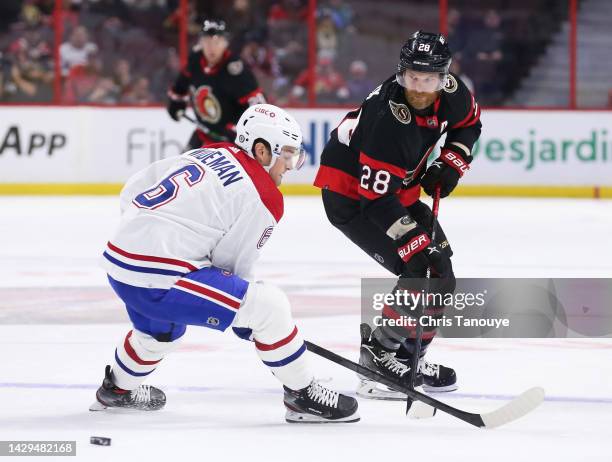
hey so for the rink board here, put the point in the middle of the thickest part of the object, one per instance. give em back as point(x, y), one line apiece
point(93, 150)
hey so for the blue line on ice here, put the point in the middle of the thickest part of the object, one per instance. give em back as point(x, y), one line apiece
point(199, 389)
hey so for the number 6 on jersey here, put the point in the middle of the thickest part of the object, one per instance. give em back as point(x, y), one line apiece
point(167, 189)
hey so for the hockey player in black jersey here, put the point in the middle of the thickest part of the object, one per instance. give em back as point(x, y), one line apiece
point(371, 174)
point(219, 85)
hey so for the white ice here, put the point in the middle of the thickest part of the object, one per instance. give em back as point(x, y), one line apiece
point(59, 323)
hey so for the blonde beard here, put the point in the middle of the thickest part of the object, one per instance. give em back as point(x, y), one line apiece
point(420, 100)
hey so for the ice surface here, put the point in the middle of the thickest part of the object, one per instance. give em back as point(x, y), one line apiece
point(59, 323)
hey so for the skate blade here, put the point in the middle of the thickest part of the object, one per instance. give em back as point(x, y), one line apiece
point(371, 390)
point(298, 417)
point(445, 389)
point(97, 406)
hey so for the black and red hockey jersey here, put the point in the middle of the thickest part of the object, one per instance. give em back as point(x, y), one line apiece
point(379, 151)
point(219, 94)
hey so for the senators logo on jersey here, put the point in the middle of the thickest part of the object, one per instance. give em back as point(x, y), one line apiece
point(207, 105)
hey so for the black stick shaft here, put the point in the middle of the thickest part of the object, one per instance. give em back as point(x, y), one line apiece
point(469, 417)
point(418, 340)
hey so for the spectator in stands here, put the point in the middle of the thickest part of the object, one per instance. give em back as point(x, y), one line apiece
point(75, 51)
point(330, 86)
point(122, 74)
point(104, 92)
point(244, 20)
point(164, 76)
point(82, 80)
point(359, 84)
point(485, 54)
point(456, 69)
point(489, 45)
point(327, 38)
point(265, 66)
point(341, 14)
point(288, 10)
point(138, 92)
point(32, 78)
point(457, 32)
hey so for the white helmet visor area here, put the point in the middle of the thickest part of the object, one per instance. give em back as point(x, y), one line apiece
point(422, 82)
point(293, 156)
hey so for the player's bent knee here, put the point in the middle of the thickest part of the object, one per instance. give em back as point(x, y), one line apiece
point(147, 344)
point(266, 307)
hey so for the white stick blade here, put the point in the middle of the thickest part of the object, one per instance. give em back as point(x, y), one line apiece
point(515, 409)
point(420, 410)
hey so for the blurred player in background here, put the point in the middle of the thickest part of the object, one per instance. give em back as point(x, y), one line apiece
point(371, 174)
point(191, 230)
point(219, 85)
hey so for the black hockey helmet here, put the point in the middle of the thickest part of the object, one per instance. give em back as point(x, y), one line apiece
point(215, 27)
point(425, 52)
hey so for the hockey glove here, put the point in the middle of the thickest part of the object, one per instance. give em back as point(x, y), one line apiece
point(176, 105)
point(419, 253)
point(446, 171)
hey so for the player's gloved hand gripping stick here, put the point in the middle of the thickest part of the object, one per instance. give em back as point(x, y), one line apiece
point(444, 172)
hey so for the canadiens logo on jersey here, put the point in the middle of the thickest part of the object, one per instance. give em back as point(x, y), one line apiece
point(400, 111)
point(265, 236)
point(207, 105)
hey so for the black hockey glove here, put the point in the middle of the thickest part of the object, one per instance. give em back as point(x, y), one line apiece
point(176, 105)
point(419, 253)
point(446, 171)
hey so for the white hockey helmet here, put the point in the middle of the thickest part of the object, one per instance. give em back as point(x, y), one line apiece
point(277, 127)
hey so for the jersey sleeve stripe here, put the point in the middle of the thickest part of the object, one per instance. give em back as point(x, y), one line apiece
point(245, 99)
point(475, 119)
point(474, 112)
point(337, 181)
point(375, 164)
point(135, 256)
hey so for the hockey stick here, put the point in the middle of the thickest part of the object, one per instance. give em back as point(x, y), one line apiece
point(509, 412)
point(418, 338)
point(214, 135)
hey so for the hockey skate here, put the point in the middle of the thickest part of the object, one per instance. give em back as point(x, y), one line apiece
point(373, 356)
point(143, 398)
point(317, 404)
point(436, 377)
point(432, 377)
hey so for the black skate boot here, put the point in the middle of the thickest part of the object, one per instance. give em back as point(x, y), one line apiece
point(317, 404)
point(376, 358)
point(437, 378)
point(143, 398)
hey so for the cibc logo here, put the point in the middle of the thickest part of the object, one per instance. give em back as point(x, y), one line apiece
point(265, 111)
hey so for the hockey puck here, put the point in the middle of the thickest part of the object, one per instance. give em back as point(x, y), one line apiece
point(100, 440)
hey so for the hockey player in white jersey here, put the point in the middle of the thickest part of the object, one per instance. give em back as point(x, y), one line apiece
point(191, 230)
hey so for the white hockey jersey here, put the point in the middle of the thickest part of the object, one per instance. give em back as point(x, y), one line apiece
point(212, 206)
